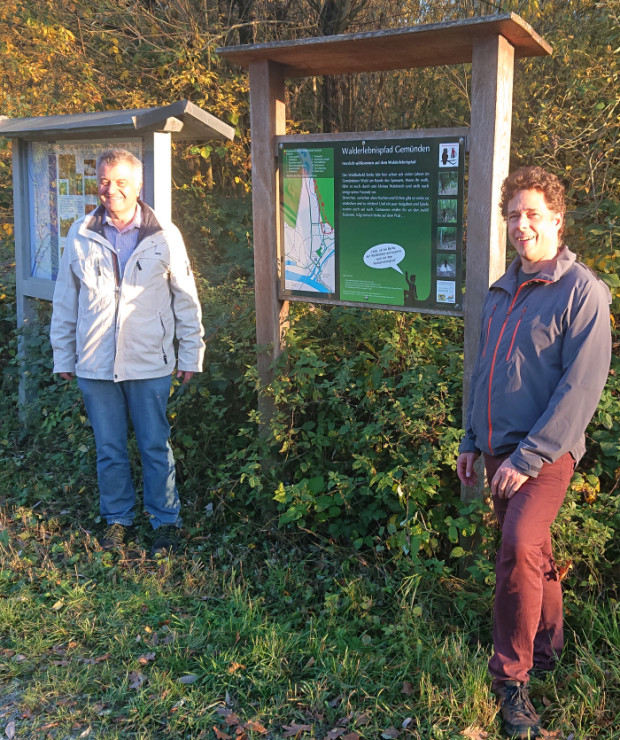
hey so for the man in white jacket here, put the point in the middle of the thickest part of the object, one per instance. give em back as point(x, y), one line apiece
point(125, 289)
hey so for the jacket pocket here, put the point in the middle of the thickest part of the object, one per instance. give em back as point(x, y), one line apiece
point(488, 332)
point(514, 334)
point(96, 284)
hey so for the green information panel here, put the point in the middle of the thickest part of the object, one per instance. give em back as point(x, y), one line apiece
point(374, 221)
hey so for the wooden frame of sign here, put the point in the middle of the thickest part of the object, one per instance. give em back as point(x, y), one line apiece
point(491, 44)
point(153, 128)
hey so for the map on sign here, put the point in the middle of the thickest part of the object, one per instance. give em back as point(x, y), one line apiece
point(308, 210)
point(62, 184)
point(374, 221)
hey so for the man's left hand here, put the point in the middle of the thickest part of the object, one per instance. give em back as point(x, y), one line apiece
point(507, 480)
point(186, 375)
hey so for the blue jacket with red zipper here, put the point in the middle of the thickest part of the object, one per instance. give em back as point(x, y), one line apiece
point(543, 360)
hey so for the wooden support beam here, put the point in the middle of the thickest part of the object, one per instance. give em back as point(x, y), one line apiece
point(26, 313)
point(267, 120)
point(428, 45)
point(157, 173)
point(491, 113)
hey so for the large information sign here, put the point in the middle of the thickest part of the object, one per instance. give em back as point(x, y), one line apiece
point(62, 183)
point(374, 221)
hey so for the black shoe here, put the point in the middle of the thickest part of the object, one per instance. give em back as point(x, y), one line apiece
point(167, 539)
point(518, 713)
point(114, 537)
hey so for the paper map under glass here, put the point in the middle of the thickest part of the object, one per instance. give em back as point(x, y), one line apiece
point(62, 184)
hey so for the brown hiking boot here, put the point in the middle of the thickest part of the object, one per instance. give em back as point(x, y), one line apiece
point(114, 537)
point(518, 713)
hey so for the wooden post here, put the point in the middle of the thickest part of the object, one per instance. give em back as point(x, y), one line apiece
point(267, 120)
point(491, 112)
point(158, 173)
point(490, 43)
point(26, 313)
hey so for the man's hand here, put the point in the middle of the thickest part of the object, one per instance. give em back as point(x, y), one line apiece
point(186, 375)
point(507, 480)
point(465, 468)
point(67, 376)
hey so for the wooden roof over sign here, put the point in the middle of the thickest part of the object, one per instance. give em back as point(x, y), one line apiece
point(429, 45)
point(184, 120)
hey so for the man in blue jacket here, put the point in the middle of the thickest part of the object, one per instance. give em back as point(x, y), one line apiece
point(542, 363)
point(125, 289)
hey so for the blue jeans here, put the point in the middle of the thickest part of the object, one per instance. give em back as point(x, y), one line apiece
point(109, 406)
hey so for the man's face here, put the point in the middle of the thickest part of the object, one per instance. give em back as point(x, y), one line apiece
point(533, 228)
point(119, 188)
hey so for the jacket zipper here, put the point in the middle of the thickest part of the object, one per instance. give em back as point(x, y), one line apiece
point(117, 290)
point(163, 351)
point(499, 339)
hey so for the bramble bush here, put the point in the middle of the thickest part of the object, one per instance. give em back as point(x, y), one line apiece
point(363, 445)
point(361, 449)
point(368, 424)
point(368, 428)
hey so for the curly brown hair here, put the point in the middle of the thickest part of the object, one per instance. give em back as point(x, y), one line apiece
point(534, 178)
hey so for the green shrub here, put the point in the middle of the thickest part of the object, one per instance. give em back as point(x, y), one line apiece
point(368, 424)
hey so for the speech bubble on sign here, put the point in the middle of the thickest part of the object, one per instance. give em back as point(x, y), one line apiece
point(385, 255)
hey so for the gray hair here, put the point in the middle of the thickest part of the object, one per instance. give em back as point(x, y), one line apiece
point(115, 156)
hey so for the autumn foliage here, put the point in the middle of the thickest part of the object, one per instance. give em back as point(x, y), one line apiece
point(334, 585)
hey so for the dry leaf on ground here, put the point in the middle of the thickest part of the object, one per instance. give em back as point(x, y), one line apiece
point(190, 678)
point(475, 733)
point(232, 720)
point(335, 733)
point(137, 680)
point(293, 730)
point(255, 727)
point(390, 733)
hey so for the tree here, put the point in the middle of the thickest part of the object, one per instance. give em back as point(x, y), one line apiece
point(61, 56)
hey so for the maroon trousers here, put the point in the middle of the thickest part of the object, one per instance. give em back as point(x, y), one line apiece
point(528, 619)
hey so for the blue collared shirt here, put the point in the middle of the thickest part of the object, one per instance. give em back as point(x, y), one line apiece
point(123, 240)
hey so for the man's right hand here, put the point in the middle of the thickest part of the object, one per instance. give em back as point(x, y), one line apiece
point(465, 468)
point(67, 376)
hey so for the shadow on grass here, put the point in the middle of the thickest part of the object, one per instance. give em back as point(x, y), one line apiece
point(263, 636)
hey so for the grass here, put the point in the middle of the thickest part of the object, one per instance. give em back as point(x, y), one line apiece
point(255, 631)
point(267, 636)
